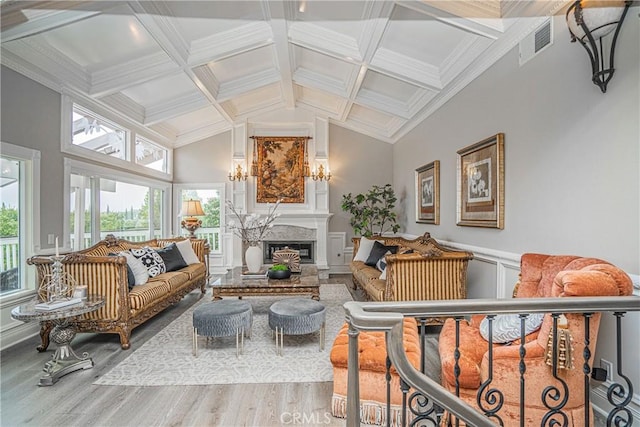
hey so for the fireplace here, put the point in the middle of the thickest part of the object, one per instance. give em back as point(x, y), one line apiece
point(306, 249)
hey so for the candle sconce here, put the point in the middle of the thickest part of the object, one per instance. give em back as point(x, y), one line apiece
point(320, 174)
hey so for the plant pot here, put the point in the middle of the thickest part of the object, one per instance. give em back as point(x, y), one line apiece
point(253, 258)
point(279, 274)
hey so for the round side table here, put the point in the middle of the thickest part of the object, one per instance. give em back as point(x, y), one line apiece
point(65, 360)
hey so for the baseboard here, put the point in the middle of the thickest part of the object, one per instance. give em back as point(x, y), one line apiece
point(602, 406)
point(16, 334)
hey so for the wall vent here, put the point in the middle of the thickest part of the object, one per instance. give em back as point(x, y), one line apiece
point(536, 41)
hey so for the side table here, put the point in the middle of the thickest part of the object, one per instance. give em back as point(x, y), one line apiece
point(65, 360)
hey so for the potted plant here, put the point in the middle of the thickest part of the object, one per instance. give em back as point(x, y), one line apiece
point(279, 271)
point(372, 212)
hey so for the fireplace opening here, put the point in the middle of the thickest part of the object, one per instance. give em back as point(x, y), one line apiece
point(305, 248)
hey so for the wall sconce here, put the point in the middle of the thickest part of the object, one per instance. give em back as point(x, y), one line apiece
point(321, 175)
point(191, 208)
point(239, 175)
point(588, 24)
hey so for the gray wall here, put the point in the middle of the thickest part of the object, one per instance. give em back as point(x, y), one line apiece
point(357, 163)
point(203, 161)
point(30, 117)
point(571, 153)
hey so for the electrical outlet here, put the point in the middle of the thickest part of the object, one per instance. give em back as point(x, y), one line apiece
point(605, 364)
point(51, 239)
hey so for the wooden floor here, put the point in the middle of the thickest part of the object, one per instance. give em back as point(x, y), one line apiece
point(75, 401)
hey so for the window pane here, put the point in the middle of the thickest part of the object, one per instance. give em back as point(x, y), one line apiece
point(97, 134)
point(10, 189)
point(157, 213)
point(151, 155)
point(80, 212)
point(210, 229)
point(124, 210)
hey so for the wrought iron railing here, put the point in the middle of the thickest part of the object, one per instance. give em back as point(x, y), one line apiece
point(432, 397)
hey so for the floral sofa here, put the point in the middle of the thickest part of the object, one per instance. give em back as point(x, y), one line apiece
point(104, 269)
point(420, 269)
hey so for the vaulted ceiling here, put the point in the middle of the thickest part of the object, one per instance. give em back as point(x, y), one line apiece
point(191, 69)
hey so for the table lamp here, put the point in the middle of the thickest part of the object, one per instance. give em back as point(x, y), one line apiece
point(191, 208)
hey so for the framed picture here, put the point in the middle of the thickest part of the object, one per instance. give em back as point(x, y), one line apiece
point(428, 193)
point(481, 184)
point(280, 169)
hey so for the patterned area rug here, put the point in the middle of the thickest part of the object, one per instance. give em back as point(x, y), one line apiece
point(167, 359)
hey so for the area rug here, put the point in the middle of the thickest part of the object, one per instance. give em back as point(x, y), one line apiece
point(167, 359)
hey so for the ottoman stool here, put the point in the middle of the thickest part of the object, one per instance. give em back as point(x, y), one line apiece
point(222, 319)
point(372, 359)
point(296, 316)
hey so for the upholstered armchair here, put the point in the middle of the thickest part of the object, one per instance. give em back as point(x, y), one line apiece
point(540, 276)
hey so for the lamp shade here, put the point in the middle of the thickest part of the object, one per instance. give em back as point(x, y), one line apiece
point(191, 208)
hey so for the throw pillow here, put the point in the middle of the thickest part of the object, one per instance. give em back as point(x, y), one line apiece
point(150, 259)
point(382, 266)
point(506, 327)
point(378, 251)
point(364, 249)
point(138, 270)
point(131, 278)
point(186, 250)
point(172, 258)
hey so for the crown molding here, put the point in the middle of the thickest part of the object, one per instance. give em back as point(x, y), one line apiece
point(174, 107)
point(408, 69)
point(309, 78)
point(131, 73)
point(201, 133)
point(324, 41)
point(126, 106)
point(231, 42)
point(247, 84)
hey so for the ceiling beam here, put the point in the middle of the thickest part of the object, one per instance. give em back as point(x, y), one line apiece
point(277, 13)
point(47, 15)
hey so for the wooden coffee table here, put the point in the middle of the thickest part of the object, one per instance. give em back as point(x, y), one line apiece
point(233, 284)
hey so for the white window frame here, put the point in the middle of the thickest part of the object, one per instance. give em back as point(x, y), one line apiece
point(72, 166)
point(30, 215)
point(177, 205)
point(132, 129)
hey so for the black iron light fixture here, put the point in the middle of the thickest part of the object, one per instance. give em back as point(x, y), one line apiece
point(589, 21)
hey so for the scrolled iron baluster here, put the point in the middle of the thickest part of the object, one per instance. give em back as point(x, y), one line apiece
point(522, 366)
point(493, 398)
point(617, 390)
point(423, 410)
point(586, 369)
point(456, 358)
point(405, 390)
point(552, 393)
point(388, 378)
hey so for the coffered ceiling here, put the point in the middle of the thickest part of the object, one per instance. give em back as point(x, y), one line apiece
point(191, 69)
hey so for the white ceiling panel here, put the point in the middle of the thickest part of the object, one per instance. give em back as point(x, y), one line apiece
point(191, 69)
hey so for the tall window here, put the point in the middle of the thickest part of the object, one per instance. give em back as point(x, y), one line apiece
point(210, 197)
point(101, 204)
point(19, 220)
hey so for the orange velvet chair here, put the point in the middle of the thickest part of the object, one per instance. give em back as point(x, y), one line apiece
point(540, 276)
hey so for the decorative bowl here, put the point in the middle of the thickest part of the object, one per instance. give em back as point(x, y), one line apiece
point(279, 274)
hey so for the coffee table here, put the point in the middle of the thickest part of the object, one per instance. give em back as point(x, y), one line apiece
point(233, 284)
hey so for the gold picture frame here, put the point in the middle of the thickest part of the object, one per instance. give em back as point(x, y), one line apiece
point(280, 169)
point(428, 193)
point(481, 184)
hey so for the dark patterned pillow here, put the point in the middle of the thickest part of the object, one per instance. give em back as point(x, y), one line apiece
point(150, 259)
point(378, 252)
point(172, 258)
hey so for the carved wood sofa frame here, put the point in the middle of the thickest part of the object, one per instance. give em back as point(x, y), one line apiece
point(431, 272)
point(106, 276)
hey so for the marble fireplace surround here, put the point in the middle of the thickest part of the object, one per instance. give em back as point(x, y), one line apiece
point(307, 227)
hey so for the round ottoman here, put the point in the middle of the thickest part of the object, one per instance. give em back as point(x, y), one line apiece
point(222, 319)
point(296, 316)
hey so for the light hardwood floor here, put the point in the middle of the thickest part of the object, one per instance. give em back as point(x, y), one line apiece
point(75, 401)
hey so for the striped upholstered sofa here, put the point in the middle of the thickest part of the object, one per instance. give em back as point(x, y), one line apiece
point(421, 270)
point(106, 276)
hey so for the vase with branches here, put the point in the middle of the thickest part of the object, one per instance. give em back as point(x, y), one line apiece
point(372, 212)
